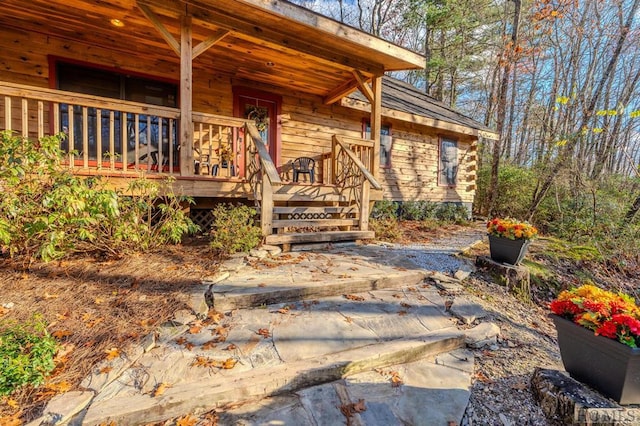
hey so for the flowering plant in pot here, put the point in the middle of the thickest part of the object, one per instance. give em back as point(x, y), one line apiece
point(599, 339)
point(509, 239)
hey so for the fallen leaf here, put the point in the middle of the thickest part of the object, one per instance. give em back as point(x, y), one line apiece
point(483, 377)
point(209, 345)
point(264, 332)
point(262, 285)
point(283, 311)
point(12, 403)
point(98, 300)
point(160, 389)
point(181, 340)
point(3, 311)
point(402, 313)
point(187, 420)
point(146, 322)
point(13, 420)
point(405, 305)
point(353, 297)
point(105, 370)
point(195, 329)
point(520, 386)
point(397, 295)
point(214, 316)
point(64, 316)
point(396, 381)
point(353, 268)
point(60, 387)
point(230, 347)
point(61, 334)
point(412, 289)
point(188, 346)
point(359, 406)
point(348, 319)
point(111, 423)
point(229, 363)
point(112, 353)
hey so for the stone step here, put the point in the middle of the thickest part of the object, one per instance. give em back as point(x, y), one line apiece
point(209, 392)
point(229, 295)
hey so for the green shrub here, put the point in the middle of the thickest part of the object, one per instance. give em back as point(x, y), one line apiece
point(234, 229)
point(386, 229)
point(452, 212)
point(384, 209)
point(26, 354)
point(48, 213)
point(418, 210)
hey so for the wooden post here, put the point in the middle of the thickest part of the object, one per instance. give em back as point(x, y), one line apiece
point(7, 113)
point(334, 160)
point(364, 205)
point(376, 125)
point(186, 98)
point(266, 207)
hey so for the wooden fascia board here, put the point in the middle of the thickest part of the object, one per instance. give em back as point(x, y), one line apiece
point(412, 118)
point(334, 28)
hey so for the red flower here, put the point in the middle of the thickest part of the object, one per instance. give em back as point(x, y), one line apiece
point(608, 329)
point(563, 307)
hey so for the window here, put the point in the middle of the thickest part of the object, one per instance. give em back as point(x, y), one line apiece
point(386, 141)
point(448, 162)
point(112, 84)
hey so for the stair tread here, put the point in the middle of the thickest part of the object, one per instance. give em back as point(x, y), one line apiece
point(281, 223)
point(317, 237)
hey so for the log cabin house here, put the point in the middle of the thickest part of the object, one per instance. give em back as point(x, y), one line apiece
point(225, 95)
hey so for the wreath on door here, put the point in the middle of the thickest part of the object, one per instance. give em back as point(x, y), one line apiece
point(260, 116)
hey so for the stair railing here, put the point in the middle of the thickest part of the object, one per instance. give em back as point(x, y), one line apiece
point(351, 175)
point(262, 176)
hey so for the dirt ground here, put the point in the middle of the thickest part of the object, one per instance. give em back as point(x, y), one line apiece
point(94, 308)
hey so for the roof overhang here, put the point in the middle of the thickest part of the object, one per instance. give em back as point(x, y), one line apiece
point(420, 120)
point(269, 41)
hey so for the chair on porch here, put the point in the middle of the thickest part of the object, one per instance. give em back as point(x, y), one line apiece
point(204, 162)
point(304, 165)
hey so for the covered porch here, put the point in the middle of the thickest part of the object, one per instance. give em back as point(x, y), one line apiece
point(212, 146)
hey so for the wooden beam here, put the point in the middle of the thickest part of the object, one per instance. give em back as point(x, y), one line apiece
point(166, 35)
point(341, 91)
point(186, 97)
point(376, 125)
point(206, 44)
point(363, 85)
point(411, 118)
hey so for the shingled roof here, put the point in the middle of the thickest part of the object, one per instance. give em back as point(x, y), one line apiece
point(400, 96)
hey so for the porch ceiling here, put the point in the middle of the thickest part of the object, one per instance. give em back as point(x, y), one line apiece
point(269, 41)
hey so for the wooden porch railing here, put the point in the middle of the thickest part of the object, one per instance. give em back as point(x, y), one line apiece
point(218, 145)
point(101, 133)
point(109, 135)
point(351, 175)
point(262, 176)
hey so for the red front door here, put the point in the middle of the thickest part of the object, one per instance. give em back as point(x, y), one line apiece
point(264, 109)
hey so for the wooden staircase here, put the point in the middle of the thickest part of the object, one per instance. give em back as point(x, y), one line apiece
point(297, 213)
point(312, 214)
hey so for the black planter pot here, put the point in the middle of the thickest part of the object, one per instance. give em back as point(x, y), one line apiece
point(602, 363)
point(504, 250)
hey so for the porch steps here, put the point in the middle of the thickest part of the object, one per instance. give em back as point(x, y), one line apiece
point(314, 214)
